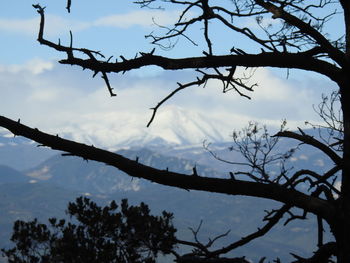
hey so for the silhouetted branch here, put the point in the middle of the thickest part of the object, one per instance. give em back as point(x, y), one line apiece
point(322, 255)
point(320, 231)
point(273, 59)
point(260, 155)
point(272, 221)
point(194, 259)
point(305, 28)
point(309, 140)
point(294, 217)
point(181, 87)
point(69, 3)
point(276, 192)
point(202, 249)
point(320, 179)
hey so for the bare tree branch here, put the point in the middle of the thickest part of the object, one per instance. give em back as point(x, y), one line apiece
point(294, 40)
point(194, 259)
point(272, 221)
point(309, 140)
point(305, 28)
point(69, 3)
point(300, 60)
point(276, 192)
point(322, 255)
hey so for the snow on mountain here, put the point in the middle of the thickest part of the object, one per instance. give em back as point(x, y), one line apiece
point(180, 126)
point(172, 126)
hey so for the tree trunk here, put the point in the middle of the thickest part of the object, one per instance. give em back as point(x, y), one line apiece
point(341, 230)
point(341, 225)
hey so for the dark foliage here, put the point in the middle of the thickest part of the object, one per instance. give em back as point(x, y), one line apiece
point(96, 234)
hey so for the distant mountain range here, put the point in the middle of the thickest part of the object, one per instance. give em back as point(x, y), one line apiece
point(171, 126)
point(37, 182)
point(20, 153)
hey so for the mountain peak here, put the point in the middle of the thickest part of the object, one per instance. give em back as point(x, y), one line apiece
point(172, 126)
point(183, 127)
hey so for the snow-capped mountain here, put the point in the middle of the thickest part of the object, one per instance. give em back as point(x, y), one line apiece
point(171, 126)
point(184, 127)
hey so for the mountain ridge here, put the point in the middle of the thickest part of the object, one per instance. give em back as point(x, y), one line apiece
point(61, 177)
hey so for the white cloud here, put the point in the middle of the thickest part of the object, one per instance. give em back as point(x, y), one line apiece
point(143, 18)
point(34, 66)
point(54, 25)
point(57, 25)
point(251, 22)
point(319, 162)
point(303, 157)
point(24, 26)
point(293, 159)
point(62, 99)
point(273, 100)
point(337, 185)
point(44, 95)
point(271, 88)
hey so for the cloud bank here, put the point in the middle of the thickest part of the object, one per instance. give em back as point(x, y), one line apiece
point(56, 25)
point(61, 99)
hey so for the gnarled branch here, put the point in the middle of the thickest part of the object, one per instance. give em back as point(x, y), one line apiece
point(309, 140)
point(275, 192)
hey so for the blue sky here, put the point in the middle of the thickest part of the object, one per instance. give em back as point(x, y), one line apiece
point(60, 98)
